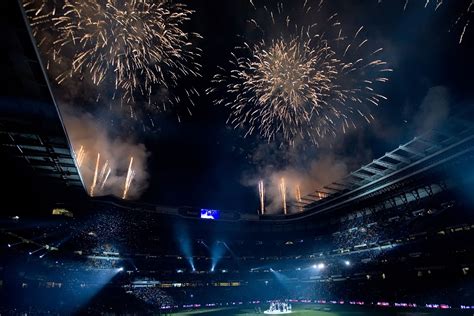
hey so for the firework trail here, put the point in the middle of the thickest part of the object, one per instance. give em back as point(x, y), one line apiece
point(283, 194)
point(138, 46)
point(129, 179)
point(304, 83)
point(261, 193)
point(104, 181)
point(94, 181)
point(104, 174)
point(81, 156)
point(103, 170)
point(468, 14)
point(298, 196)
point(464, 18)
point(98, 177)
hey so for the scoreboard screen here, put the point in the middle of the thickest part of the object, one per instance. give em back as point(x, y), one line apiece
point(209, 214)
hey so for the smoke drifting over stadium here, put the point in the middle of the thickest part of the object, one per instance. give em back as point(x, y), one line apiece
point(104, 158)
point(326, 169)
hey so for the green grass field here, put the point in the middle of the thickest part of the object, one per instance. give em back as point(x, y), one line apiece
point(315, 310)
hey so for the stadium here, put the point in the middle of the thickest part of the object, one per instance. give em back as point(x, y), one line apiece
point(114, 202)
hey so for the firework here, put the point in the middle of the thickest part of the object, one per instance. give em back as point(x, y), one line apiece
point(298, 197)
point(104, 174)
point(128, 179)
point(466, 15)
point(463, 18)
point(261, 193)
point(81, 156)
point(104, 181)
point(138, 46)
point(283, 194)
point(302, 84)
point(40, 14)
point(94, 181)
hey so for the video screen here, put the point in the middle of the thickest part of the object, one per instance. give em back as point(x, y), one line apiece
point(209, 214)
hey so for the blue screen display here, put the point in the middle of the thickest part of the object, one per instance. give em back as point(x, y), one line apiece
point(209, 214)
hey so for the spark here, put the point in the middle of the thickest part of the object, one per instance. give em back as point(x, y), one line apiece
point(298, 197)
point(468, 13)
point(104, 174)
point(283, 194)
point(301, 84)
point(129, 179)
point(81, 156)
point(98, 172)
point(464, 16)
point(40, 14)
point(105, 179)
point(261, 192)
point(94, 181)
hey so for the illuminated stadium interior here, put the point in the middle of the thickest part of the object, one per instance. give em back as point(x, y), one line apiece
point(237, 158)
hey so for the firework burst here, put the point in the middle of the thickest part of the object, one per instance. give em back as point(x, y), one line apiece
point(139, 47)
point(303, 83)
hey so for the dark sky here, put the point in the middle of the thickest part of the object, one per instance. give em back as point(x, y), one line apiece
point(203, 162)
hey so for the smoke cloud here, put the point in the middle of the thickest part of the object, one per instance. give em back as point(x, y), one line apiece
point(90, 138)
point(327, 167)
point(434, 109)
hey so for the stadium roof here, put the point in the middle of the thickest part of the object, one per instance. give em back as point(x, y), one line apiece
point(435, 147)
point(33, 141)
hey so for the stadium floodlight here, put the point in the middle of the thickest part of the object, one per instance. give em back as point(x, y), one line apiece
point(347, 263)
point(319, 266)
point(120, 269)
point(9, 245)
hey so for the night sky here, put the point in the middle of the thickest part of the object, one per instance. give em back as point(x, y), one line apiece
point(203, 162)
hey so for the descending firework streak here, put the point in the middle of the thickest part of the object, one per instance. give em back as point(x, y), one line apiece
point(138, 46)
point(305, 82)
